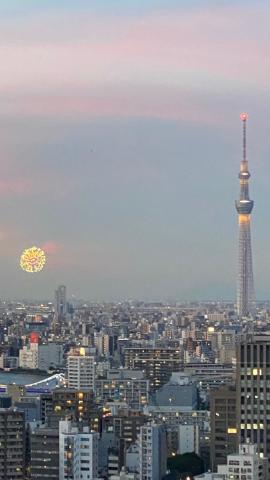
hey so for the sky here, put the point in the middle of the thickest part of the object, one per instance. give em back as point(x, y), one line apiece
point(120, 144)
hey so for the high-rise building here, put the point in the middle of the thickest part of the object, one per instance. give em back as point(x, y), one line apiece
point(153, 452)
point(244, 206)
point(253, 393)
point(44, 454)
point(60, 304)
point(223, 424)
point(12, 442)
point(78, 452)
point(81, 369)
point(60, 307)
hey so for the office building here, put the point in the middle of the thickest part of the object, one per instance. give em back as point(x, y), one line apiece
point(223, 424)
point(60, 301)
point(60, 308)
point(44, 454)
point(244, 206)
point(153, 452)
point(12, 441)
point(253, 393)
point(81, 369)
point(78, 452)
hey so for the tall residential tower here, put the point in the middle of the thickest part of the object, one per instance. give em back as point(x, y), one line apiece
point(244, 206)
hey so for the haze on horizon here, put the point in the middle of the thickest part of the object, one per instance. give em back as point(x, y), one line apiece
point(121, 142)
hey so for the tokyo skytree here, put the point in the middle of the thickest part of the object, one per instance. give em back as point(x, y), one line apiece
point(244, 206)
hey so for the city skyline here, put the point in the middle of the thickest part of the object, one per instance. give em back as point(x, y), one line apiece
point(106, 158)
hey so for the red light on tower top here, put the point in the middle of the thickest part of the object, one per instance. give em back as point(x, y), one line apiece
point(244, 117)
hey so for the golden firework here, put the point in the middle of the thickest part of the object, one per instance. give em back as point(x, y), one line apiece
point(33, 260)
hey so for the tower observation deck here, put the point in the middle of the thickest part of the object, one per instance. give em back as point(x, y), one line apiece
point(244, 206)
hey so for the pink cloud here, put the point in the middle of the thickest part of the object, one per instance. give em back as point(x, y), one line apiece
point(19, 186)
point(50, 247)
point(164, 64)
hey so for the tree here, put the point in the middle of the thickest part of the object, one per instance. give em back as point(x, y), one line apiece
point(188, 463)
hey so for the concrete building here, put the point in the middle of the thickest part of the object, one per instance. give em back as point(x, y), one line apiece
point(253, 393)
point(153, 452)
point(157, 363)
point(210, 476)
point(44, 454)
point(76, 404)
point(123, 475)
point(8, 362)
point(132, 460)
point(50, 356)
point(81, 369)
point(28, 355)
point(123, 386)
point(223, 424)
point(125, 426)
point(12, 441)
point(42, 357)
point(188, 439)
point(60, 301)
point(114, 461)
point(245, 465)
point(176, 395)
point(78, 452)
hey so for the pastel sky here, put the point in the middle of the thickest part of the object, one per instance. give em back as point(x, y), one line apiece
point(120, 144)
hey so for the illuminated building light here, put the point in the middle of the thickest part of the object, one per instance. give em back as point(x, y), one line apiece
point(232, 430)
point(244, 218)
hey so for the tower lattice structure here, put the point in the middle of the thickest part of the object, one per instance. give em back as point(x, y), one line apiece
point(244, 206)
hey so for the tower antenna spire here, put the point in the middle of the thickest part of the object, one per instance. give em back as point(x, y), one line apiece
point(244, 206)
point(244, 117)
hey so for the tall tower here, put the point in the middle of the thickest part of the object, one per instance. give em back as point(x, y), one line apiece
point(244, 206)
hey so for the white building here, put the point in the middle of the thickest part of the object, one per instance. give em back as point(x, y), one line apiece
point(188, 439)
point(153, 452)
point(81, 369)
point(78, 453)
point(42, 357)
point(28, 356)
point(245, 465)
point(210, 476)
point(123, 475)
